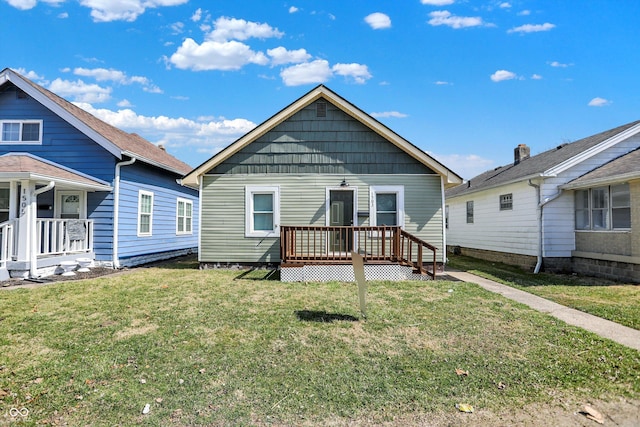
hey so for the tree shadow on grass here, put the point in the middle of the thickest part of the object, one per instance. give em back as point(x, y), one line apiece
point(323, 316)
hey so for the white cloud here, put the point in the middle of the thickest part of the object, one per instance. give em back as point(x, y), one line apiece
point(378, 21)
point(124, 10)
point(532, 28)
point(281, 55)
point(317, 71)
point(444, 17)
point(63, 15)
point(442, 83)
point(394, 114)
point(437, 2)
point(31, 75)
point(293, 9)
point(358, 72)
point(125, 103)
point(197, 15)
point(238, 29)
point(116, 76)
point(30, 4)
point(557, 64)
point(505, 5)
point(502, 75)
point(207, 135)
point(599, 102)
point(214, 55)
point(524, 13)
point(465, 165)
point(536, 77)
point(80, 91)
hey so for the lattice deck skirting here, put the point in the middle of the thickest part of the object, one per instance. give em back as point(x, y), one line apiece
point(344, 273)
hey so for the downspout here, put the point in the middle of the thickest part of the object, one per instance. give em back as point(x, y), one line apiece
point(541, 205)
point(116, 208)
point(33, 264)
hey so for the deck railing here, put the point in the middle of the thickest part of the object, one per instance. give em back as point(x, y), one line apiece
point(333, 245)
point(6, 242)
point(64, 236)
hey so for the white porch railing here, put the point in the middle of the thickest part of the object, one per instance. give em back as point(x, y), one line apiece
point(64, 236)
point(6, 240)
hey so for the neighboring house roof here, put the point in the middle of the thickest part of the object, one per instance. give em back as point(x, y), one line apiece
point(548, 163)
point(321, 91)
point(114, 140)
point(28, 166)
point(624, 168)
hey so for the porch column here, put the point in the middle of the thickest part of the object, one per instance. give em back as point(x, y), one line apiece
point(26, 221)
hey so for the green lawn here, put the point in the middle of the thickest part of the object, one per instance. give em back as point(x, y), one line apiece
point(210, 348)
point(618, 302)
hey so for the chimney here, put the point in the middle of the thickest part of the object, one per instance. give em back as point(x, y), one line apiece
point(521, 152)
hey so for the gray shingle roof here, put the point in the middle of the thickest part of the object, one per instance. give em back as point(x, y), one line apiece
point(624, 167)
point(534, 165)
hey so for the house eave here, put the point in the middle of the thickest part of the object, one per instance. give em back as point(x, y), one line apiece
point(586, 154)
point(602, 181)
point(150, 162)
point(502, 184)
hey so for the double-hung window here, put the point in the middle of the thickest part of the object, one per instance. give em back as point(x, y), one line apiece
point(21, 131)
point(387, 205)
point(145, 213)
point(506, 202)
point(262, 211)
point(470, 212)
point(603, 208)
point(184, 216)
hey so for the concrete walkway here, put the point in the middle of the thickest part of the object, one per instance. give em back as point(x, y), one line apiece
point(605, 328)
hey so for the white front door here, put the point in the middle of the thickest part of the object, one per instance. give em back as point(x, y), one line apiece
point(70, 205)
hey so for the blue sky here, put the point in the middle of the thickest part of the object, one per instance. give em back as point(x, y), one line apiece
point(465, 80)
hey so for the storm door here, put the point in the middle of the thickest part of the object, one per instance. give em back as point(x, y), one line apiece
point(341, 210)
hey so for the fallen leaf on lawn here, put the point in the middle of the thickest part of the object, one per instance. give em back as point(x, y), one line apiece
point(159, 400)
point(464, 407)
point(38, 380)
point(501, 385)
point(593, 414)
point(3, 393)
point(461, 372)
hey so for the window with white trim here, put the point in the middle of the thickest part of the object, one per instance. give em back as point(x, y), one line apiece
point(262, 211)
point(21, 131)
point(184, 216)
point(603, 208)
point(506, 202)
point(145, 213)
point(387, 205)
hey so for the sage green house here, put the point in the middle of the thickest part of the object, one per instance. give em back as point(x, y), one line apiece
point(317, 180)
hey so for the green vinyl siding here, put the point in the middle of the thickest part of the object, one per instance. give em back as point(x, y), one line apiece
point(302, 202)
point(306, 144)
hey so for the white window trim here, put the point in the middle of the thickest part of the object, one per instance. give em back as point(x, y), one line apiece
point(186, 202)
point(140, 194)
point(250, 190)
point(21, 122)
point(398, 190)
point(327, 203)
point(57, 204)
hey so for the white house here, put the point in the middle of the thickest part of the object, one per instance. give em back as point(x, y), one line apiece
point(556, 210)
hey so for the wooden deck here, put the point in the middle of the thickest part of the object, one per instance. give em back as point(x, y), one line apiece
point(309, 245)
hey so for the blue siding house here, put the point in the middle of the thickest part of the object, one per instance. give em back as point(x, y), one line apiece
point(74, 187)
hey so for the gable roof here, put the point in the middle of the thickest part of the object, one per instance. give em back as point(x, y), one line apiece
point(321, 91)
point(623, 168)
point(548, 163)
point(114, 140)
point(28, 166)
